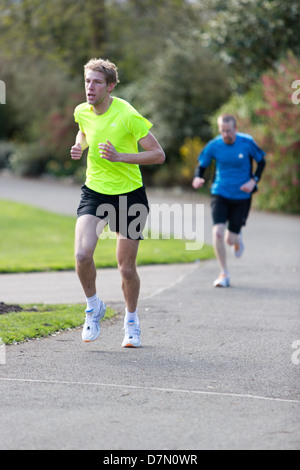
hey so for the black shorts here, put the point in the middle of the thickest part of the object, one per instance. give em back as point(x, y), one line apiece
point(233, 211)
point(126, 213)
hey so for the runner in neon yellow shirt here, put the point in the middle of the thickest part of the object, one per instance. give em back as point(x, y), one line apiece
point(123, 126)
point(112, 129)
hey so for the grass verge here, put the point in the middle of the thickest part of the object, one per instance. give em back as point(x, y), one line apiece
point(36, 240)
point(36, 321)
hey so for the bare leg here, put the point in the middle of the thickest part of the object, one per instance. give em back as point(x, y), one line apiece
point(86, 238)
point(219, 245)
point(232, 238)
point(126, 256)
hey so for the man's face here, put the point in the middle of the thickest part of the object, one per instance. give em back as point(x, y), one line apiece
point(96, 88)
point(228, 131)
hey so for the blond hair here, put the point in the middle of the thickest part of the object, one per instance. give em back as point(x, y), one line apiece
point(105, 66)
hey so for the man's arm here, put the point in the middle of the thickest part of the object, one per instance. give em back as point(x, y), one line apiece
point(199, 180)
point(259, 170)
point(250, 186)
point(153, 153)
point(81, 139)
point(80, 145)
point(205, 159)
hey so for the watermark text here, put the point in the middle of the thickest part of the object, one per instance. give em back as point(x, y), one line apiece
point(2, 92)
point(296, 354)
point(2, 353)
point(296, 94)
point(176, 221)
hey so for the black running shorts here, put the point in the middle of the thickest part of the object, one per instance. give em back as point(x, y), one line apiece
point(233, 211)
point(126, 213)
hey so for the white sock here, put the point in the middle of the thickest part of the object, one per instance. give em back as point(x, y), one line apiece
point(129, 316)
point(225, 272)
point(93, 303)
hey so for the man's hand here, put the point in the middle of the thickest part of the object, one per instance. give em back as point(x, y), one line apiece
point(108, 152)
point(76, 152)
point(248, 187)
point(198, 182)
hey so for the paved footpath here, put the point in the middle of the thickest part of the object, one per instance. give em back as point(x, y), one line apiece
point(219, 369)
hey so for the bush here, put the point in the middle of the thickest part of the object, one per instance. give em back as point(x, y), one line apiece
point(182, 89)
point(44, 125)
point(281, 138)
point(189, 153)
point(29, 159)
point(6, 150)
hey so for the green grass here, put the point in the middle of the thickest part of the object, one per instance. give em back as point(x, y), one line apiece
point(45, 320)
point(32, 239)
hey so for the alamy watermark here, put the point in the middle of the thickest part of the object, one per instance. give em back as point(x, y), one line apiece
point(2, 92)
point(2, 353)
point(296, 94)
point(296, 354)
point(176, 221)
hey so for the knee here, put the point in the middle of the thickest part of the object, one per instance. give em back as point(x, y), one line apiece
point(83, 256)
point(231, 239)
point(127, 271)
point(218, 232)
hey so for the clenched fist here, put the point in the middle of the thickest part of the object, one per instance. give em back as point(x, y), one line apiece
point(76, 152)
point(198, 182)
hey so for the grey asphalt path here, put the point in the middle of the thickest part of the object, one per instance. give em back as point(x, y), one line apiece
point(217, 369)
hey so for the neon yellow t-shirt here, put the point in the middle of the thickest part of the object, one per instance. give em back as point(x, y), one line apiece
point(123, 126)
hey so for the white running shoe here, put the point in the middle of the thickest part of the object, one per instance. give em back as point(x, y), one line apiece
point(132, 335)
point(222, 281)
point(239, 248)
point(91, 329)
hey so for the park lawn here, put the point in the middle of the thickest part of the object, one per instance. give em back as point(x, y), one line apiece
point(36, 321)
point(33, 239)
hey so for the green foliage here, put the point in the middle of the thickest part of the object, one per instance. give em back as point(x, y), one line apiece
point(29, 159)
point(281, 137)
point(252, 35)
point(140, 30)
point(6, 150)
point(60, 31)
point(42, 98)
point(178, 60)
point(190, 152)
point(183, 88)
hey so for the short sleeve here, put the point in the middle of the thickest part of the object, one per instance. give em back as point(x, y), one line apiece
point(255, 151)
point(137, 125)
point(206, 156)
point(76, 118)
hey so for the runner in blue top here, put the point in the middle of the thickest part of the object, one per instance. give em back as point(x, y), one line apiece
point(232, 189)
